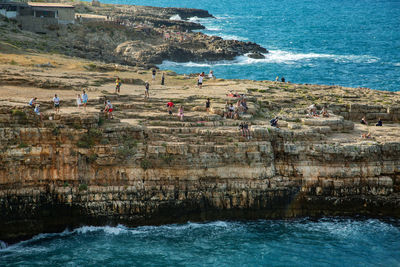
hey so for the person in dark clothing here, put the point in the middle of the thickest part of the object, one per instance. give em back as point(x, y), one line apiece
point(208, 104)
point(364, 121)
point(274, 122)
point(283, 79)
point(162, 79)
point(379, 123)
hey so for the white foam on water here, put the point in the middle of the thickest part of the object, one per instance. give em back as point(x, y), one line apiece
point(120, 229)
point(213, 28)
point(175, 17)
point(194, 19)
point(277, 57)
point(396, 64)
point(3, 245)
point(285, 57)
point(232, 37)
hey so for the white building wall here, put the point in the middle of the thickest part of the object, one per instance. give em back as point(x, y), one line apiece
point(8, 14)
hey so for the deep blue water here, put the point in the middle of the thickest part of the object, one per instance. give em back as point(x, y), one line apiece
point(328, 242)
point(345, 42)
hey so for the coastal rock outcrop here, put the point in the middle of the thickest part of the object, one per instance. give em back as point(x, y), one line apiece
point(197, 48)
point(132, 35)
point(75, 170)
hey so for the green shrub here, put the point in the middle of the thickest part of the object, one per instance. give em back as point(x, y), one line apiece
point(89, 139)
point(101, 121)
point(91, 158)
point(104, 141)
point(83, 187)
point(22, 145)
point(146, 164)
point(19, 113)
point(167, 158)
point(56, 131)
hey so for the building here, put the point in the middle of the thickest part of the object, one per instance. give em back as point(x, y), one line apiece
point(39, 17)
point(64, 14)
point(10, 9)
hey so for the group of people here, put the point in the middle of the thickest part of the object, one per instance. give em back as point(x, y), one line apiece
point(282, 79)
point(175, 36)
point(201, 77)
point(364, 122)
point(80, 100)
point(244, 128)
point(313, 112)
point(234, 112)
point(171, 105)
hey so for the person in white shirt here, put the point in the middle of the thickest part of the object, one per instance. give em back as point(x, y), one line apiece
point(56, 101)
point(37, 111)
point(85, 99)
point(108, 109)
point(79, 101)
point(200, 80)
point(32, 102)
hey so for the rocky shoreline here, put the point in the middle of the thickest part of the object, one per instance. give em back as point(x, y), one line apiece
point(146, 167)
point(131, 35)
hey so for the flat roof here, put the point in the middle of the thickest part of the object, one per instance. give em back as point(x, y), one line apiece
point(37, 4)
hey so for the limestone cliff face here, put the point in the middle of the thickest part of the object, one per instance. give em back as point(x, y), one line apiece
point(72, 170)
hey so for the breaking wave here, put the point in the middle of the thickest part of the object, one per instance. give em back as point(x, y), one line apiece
point(278, 57)
point(175, 17)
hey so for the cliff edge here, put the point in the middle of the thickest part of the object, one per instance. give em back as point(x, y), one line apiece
point(148, 167)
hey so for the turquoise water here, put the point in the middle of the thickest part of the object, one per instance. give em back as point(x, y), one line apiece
point(345, 42)
point(327, 242)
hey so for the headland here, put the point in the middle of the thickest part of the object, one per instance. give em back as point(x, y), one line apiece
point(145, 166)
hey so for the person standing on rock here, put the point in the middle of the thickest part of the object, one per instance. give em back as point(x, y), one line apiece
point(118, 84)
point(37, 111)
point(211, 75)
point(56, 101)
point(85, 99)
point(146, 90)
point(200, 80)
point(154, 74)
point(208, 104)
point(170, 105)
point(108, 109)
point(181, 112)
point(162, 78)
point(32, 102)
point(79, 101)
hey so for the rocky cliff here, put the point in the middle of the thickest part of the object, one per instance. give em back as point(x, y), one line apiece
point(146, 167)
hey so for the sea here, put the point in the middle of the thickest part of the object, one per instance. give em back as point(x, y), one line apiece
point(353, 43)
point(325, 242)
point(335, 42)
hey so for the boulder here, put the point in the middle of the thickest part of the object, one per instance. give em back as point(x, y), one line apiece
point(256, 55)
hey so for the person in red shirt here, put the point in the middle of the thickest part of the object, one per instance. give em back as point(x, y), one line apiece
point(170, 105)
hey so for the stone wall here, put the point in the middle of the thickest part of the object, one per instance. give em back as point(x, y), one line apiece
point(355, 112)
